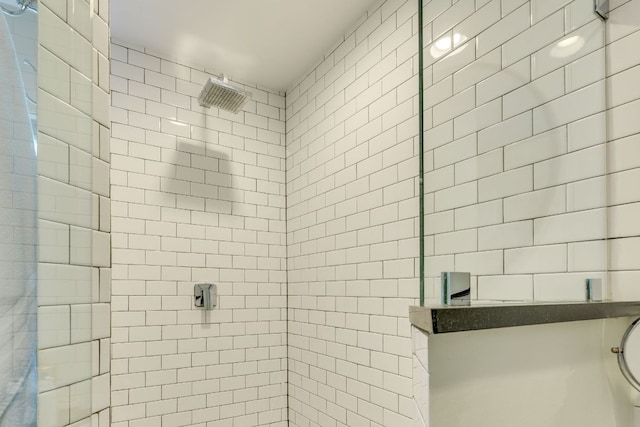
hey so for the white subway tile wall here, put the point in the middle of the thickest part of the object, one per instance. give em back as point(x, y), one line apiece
point(74, 274)
point(623, 160)
point(198, 196)
point(542, 234)
point(513, 134)
point(352, 221)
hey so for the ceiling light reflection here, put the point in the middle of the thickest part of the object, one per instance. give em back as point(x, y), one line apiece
point(443, 45)
point(567, 47)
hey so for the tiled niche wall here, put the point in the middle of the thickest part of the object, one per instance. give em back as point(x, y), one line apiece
point(352, 225)
point(515, 147)
point(74, 213)
point(198, 196)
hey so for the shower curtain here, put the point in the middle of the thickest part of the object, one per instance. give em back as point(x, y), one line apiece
point(18, 245)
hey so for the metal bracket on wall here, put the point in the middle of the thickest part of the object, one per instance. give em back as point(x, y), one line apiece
point(601, 8)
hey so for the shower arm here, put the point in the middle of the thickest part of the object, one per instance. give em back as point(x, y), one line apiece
point(24, 5)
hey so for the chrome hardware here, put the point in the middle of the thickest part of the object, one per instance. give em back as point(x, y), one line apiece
point(206, 295)
point(601, 8)
point(456, 288)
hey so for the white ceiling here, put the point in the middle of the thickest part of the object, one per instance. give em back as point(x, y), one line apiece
point(271, 43)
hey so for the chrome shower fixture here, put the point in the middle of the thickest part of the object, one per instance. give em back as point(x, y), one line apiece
point(220, 93)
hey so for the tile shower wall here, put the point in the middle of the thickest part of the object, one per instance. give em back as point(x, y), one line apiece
point(623, 103)
point(198, 196)
point(515, 147)
point(74, 213)
point(352, 226)
point(622, 168)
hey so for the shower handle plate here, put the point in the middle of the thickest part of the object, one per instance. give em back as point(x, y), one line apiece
point(205, 295)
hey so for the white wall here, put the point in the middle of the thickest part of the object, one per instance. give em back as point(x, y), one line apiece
point(74, 288)
point(623, 103)
point(515, 147)
point(352, 168)
point(553, 375)
point(198, 196)
point(516, 188)
point(620, 132)
point(498, 196)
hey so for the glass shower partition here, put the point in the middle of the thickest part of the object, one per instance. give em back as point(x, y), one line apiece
point(515, 148)
point(47, 214)
point(18, 219)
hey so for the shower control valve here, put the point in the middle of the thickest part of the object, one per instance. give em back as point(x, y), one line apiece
point(205, 295)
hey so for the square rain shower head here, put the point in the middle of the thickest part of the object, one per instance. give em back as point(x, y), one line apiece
point(219, 93)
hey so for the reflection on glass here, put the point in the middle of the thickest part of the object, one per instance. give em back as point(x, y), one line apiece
point(444, 45)
point(18, 233)
point(567, 47)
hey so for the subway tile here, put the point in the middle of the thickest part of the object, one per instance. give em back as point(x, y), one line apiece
point(456, 242)
point(439, 179)
point(621, 285)
point(54, 328)
point(538, 259)
point(535, 149)
point(505, 288)
point(623, 21)
point(457, 13)
point(504, 30)
point(624, 154)
point(578, 14)
point(622, 220)
point(622, 54)
point(540, 9)
point(54, 406)
point(478, 70)
point(477, 119)
point(505, 184)
point(506, 132)
point(534, 94)
point(439, 135)
point(479, 215)
point(486, 164)
point(454, 106)
point(570, 167)
point(439, 222)
point(623, 253)
point(587, 256)
point(505, 81)
point(454, 61)
point(569, 108)
point(63, 122)
point(587, 194)
point(438, 92)
point(504, 236)
point(540, 34)
point(621, 88)
point(54, 75)
point(621, 122)
point(585, 71)
point(480, 263)
point(562, 286)
point(573, 46)
point(455, 151)
point(61, 366)
point(480, 20)
point(571, 227)
point(457, 196)
point(587, 132)
point(535, 204)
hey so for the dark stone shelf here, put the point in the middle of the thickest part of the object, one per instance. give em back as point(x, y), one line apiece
point(447, 319)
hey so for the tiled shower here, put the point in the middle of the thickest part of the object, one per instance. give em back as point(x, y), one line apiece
point(304, 208)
